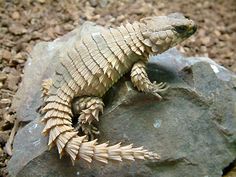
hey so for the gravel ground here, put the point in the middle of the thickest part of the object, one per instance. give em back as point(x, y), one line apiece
point(25, 23)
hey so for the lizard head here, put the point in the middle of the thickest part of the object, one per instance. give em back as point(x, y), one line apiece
point(163, 32)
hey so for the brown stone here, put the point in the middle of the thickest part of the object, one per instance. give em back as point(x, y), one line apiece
point(15, 15)
point(3, 76)
point(6, 55)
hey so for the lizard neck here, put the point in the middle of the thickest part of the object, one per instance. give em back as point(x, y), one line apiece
point(133, 40)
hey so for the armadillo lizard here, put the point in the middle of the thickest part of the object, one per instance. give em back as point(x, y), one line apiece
point(91, 67)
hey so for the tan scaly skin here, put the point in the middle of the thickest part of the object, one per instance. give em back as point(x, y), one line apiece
point(91, 67)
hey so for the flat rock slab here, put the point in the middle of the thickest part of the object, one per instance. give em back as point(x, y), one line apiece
point(193, 128)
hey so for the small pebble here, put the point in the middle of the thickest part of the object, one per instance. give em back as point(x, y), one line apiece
point(3, 76)
point(15, 15)
point(6, 55)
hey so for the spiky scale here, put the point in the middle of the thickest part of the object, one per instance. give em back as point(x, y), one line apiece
point(117, 36)
point(63, 140)
point(111, 72)
point(57, 106)
point(134, 38)
point(92, 65)
point(127, 38)
point(121, 44)
point(55, 122)
point(102, 59)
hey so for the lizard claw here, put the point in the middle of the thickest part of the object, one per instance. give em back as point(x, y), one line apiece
point(156, 88)
point(162, 86)
point(87, 129)
point(157, 95)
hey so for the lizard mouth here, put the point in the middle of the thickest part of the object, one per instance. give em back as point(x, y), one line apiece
point(192, 30)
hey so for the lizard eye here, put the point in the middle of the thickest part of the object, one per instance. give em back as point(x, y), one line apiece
point(186, 16)
point(181, 29)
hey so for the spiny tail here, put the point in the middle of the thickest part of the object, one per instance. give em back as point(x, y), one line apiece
point(57, 119)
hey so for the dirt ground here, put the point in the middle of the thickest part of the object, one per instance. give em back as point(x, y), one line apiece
point(23, 23)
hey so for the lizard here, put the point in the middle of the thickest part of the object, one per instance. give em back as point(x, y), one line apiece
point(92, 66)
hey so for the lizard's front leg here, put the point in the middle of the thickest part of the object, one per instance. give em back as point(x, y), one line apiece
point(140, 80)
point(88, 109)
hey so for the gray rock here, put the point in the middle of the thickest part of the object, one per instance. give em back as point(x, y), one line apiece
point(193, 128)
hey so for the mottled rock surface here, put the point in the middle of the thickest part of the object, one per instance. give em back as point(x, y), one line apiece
point(193, 128)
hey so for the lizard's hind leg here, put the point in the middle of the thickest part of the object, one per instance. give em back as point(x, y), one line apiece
point(88, 109)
